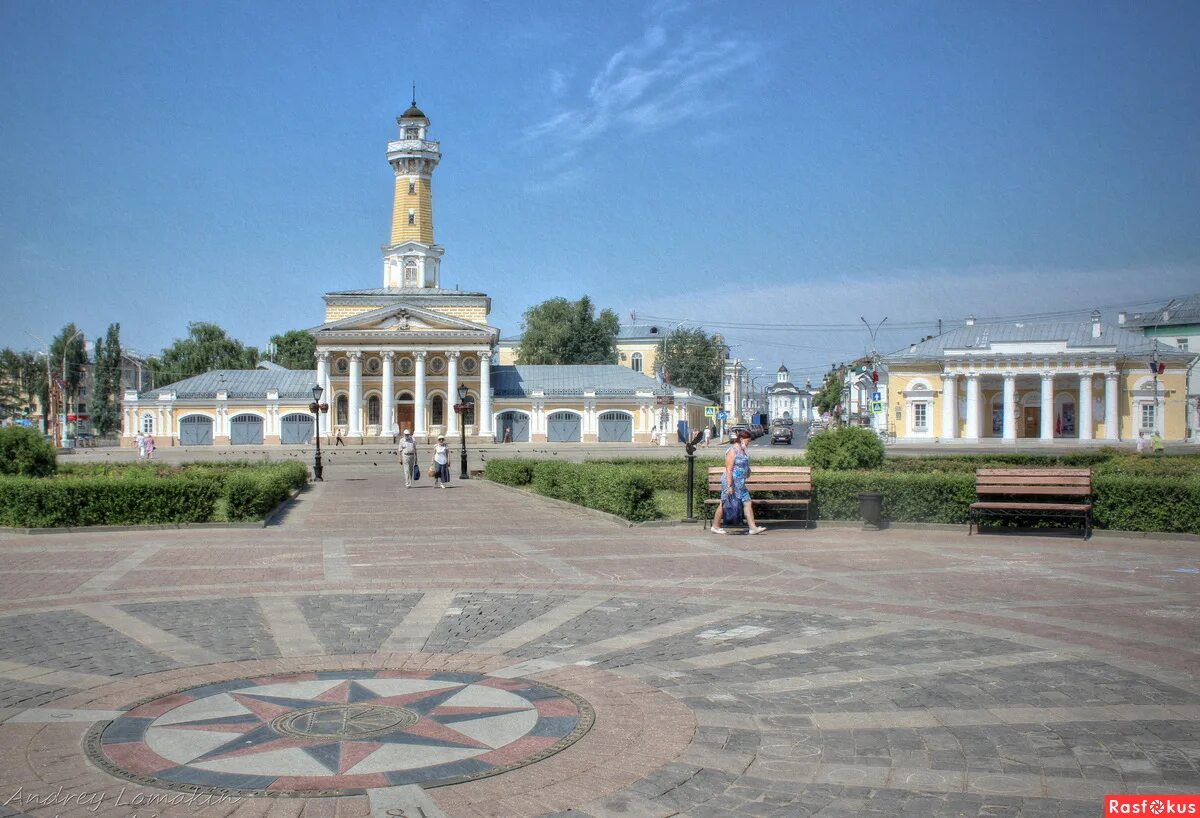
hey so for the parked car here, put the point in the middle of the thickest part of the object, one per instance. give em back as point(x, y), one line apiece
point(781, 433)
point(733, 430)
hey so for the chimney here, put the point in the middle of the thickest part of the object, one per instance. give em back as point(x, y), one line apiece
point(1121, 316)
point(1097, 327)
point(970, 320)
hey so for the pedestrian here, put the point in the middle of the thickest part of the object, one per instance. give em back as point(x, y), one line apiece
point(149, 444)
point(408, 456)
point(733, 483)
point(1141, 443)
point(441, 463)
point(507, 434)
point(1156, 443)
point(707, 434)
point(395, 433)
point(140, 440)
point(337, 439)
point(654, 435)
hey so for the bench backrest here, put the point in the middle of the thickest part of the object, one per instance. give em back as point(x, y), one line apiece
point(768, 478)
point(1051, 482)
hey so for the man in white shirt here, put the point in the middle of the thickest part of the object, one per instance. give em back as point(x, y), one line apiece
point(408, 456)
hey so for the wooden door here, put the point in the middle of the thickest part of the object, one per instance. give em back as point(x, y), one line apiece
point(1033, 421)
point(404, 416)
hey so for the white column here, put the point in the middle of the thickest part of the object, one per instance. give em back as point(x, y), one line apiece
point(323, 382)
point(389, 394)
point(485, 395)
point(1084, 418)
point(452, 394)
point(972, 406)
point(949, 406)
point(1112, 415)
point(1047, 406)
point(1010, 406)
point(419, 428)
point(355, 425)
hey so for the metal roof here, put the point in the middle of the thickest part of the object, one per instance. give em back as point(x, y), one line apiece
point(1186, 311)
point(607, 379)
point(293, 384)
point(406, 291)
point(652, 332)
point(978, 339)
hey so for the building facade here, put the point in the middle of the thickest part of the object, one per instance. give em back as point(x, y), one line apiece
point(1055, 381)
point(786, 401)
point(1176, 324)
point(413, 355)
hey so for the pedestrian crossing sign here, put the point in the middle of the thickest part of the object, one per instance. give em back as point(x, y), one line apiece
point(710, 411)
point(876, 407)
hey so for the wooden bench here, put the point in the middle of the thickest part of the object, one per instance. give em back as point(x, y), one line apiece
point(795, 481)
point(1054, 493)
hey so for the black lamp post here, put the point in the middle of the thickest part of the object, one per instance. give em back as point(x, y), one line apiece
point(316, 407)
point(461, 408)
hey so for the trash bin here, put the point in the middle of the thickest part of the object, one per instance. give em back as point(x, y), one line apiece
point(870, 508)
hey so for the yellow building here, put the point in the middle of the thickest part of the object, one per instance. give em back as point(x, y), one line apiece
point(411, 355)
point(1051, 381)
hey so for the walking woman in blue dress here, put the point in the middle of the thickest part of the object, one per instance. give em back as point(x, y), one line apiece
point(733, 482)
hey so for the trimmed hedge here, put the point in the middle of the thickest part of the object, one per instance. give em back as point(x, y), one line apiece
point(849, 447)
point(40, 503)
point(138, 495)
point(625, 491)
point(25, 453)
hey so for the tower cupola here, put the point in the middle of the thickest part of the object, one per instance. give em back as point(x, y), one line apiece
point(412, 259)
point(782, 375)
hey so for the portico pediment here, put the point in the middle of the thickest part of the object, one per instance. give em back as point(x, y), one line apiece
point(399, 319)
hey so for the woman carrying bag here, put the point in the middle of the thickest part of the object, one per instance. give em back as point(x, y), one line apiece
point(733, 487)
point(441, 463)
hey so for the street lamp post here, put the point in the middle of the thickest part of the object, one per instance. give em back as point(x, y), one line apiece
point(461, 408)
point(316, 407)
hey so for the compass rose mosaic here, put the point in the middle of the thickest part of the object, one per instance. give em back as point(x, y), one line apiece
point(339, 732)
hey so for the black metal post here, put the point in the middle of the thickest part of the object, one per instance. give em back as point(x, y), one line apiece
point(318, 466)
point(464, 475)
point(690, 448)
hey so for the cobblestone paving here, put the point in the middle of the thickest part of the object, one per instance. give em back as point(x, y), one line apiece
point(830, 672)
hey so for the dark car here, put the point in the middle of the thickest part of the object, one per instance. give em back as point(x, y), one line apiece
point(781, 433)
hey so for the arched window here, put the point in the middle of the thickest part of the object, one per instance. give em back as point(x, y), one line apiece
point(373, 410)
point(147, 424)
point(410, 272)
point(468, 413)
point(343, 410)
point(635, 361)
point(437, 409)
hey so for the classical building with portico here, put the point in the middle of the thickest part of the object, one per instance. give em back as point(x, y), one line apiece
point(1048, 381)
point(404, 355)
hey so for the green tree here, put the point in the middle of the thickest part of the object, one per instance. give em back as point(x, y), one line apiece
point(295, 349)
point(206, 347)
point(831, 390)
point(106, 394)
point(559, 331)
point(695, 360)
point(22, 380)
point(68, 358)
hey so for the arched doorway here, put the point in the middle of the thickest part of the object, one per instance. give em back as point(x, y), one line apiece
point(563, 427)
point(246, 430)
point(195, 430)
point(512, 426)
point(405, 413)
point(296, 429)
point(615, 427)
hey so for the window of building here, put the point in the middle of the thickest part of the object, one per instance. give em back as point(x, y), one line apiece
point(921, 416)
point(412, 188)
point(410, 273)
point(412, 217)
point(437, 408)
point(635, 361)
point(147, 424)
point(373, 410)
point(468, 412)
point(343, 410)
point(1148, 417)
point(1182, 343)
point(412, 133)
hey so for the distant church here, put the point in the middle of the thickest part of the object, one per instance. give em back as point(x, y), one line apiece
point(396, 355)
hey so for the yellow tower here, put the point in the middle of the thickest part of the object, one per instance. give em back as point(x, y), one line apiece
point(412, 260)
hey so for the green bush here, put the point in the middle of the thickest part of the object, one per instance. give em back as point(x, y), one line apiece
point(40, 503)
point(927, 498)
point(510, 472)
point(624, 490)
point(1134, 503)
point(850, 447)
point(25, 453)
point(253, 494)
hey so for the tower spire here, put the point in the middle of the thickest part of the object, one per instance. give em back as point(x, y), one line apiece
point(411, 258)
point(414, 101)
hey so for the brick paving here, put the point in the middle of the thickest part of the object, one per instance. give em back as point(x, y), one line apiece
point(830, 672)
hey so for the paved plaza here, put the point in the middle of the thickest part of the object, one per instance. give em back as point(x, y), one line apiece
point(483, 652)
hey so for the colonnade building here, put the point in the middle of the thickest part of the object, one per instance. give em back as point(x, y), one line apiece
point(1048, 381)
point(395, 357)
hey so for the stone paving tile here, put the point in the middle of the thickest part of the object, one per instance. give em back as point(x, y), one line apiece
point(355, 623)
point(614, 618)
point(67, 640)
point(739, 632)
point(232, 628)
point(27, 694)
point(474, 618)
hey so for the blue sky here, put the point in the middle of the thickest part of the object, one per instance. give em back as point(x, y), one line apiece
point(749, 163)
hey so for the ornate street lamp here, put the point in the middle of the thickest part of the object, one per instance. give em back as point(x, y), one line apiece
point(461, 408)
point(316, 407)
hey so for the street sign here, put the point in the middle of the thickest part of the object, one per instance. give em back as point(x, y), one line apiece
point(876, 396)
point(876, 407)
point(722, 415)
point(710, 411)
